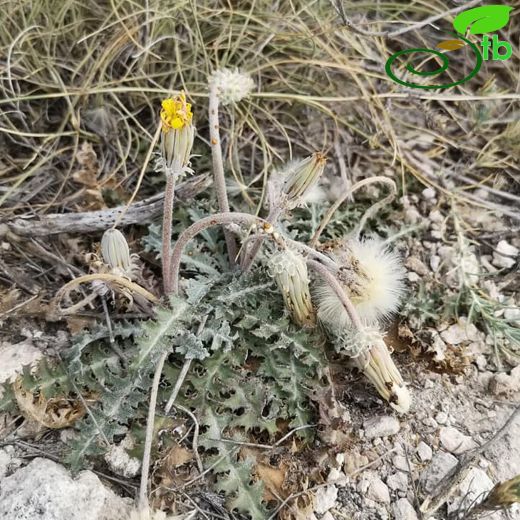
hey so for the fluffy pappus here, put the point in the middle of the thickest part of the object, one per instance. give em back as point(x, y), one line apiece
point(372, 277)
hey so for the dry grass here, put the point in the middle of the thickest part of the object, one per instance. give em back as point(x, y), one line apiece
point(74, 72)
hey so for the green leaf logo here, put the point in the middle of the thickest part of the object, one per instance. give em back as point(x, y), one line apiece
point(487, 18)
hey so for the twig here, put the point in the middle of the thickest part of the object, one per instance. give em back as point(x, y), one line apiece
point(178, 384)
point(349, 192)
point(143, 503)
point(265, 446)
point(184, 372)
point(249, 256)
point(139, 213)
point(372, 210)
point(311, 253)
point(108, 321)
point(461, 470)
point(104, 277)
point(18, 306)
point(195, 440)
point(218, 167)
point(338, 6)
point(141, 176)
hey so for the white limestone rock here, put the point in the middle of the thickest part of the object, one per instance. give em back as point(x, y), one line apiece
point(439, 468)
point(403, 510)
point(424, 452)
point(505, 255)
point(455, 441)
point(14, 357)
point(325, 499)
point(45, 490)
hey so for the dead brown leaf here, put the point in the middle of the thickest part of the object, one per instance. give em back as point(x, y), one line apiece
point(54, 413)
point(178, 456)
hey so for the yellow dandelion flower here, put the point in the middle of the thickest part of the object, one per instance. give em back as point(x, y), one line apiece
point(176, 113)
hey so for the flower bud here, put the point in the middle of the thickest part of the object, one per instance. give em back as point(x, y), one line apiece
point(504, 494)
point(115, 251)
point(178, 134)
point(301, 178)
point(370, 354)
point(289, 269)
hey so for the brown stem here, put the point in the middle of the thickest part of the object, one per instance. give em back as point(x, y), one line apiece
point(218, 168)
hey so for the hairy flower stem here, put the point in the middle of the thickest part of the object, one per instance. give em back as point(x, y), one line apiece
point(340, 293)
point(205, 223)
point(218, 168)
point(250, 255)
point(169, 195)
point(143, 504)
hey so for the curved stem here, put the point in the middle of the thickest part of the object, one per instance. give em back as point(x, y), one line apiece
point(169, 195)
point(340, 293)
point(345, 196)
point(312, 253)
point(104, 277)
point(372, 210)
point(218, 168)
point(205, 223)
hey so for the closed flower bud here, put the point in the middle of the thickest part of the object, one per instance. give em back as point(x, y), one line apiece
point(115, 251)
point(370, 354)
point(504, 494)
point(300, 178)
point(177, 135)
point(289, 270)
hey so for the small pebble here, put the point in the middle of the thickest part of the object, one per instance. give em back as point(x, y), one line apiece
point(441, 418)
point(428, 194)
point(455, 441)
point(424, 452)
point(505, 255)
point(381, 426)
point(378, 491)
point(403, 510)
point(440, 466)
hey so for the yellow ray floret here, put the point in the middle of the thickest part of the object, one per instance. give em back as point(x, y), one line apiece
point(175, 113)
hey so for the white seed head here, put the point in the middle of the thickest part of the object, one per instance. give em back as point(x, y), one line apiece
point(289, 269)
point(372, 277)
point(115, 250)
point(231, 85)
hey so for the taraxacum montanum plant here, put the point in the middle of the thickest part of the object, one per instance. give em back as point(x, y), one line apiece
point(344, 294)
